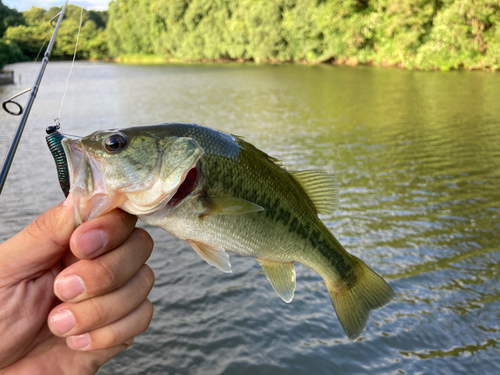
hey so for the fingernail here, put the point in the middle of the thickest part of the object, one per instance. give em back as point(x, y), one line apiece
point(90, 242)
point(62, 322)
point(70, 287)
point(79, 342)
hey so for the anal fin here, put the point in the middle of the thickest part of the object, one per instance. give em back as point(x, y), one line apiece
point(281, 276)
point(215, 256)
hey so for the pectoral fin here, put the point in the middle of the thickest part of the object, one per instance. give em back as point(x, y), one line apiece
point(228, 206)
point(281, 276)
point(215, 256)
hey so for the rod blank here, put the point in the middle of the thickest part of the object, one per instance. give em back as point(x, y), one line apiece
point(34, 90)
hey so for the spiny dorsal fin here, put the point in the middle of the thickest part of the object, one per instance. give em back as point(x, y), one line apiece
point(322, 189)
point(212, 255)
point(228, 206)
point(272, 159)
point(281, 276)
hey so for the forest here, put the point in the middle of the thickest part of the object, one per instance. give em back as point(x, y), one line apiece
point(23, 34)
point(413, 34)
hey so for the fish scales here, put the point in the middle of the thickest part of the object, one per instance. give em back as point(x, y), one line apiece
point(220, 193)
point(234, 167)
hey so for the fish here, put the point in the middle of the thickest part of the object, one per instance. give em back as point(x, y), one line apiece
point(221, 194)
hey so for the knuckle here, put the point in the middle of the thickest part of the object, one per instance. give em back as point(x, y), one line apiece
point(101, 309)
point(128, 342)
point(45, 224)
point(149, 309)
point(39, 225)
point(39, 228)
point(108, 275)
point(148, 276)
point(148, 314)
point(143, 316)
point(110, 338)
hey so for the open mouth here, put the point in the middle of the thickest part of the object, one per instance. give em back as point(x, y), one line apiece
point(91, 198)
point(83, 176)
point(185, 188)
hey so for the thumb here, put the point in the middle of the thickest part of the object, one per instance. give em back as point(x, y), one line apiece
point(40, 245)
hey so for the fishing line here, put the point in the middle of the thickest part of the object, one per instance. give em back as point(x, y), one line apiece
point(56, 120)
point(38, 55)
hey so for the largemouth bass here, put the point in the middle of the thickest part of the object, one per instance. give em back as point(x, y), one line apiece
point(219, 193)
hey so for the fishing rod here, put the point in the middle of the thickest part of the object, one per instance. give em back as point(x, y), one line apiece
point(34, 90)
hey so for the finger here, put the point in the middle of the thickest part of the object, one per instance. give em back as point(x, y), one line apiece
point(92, 360)
point(115, 333)
point(40, 245)
point(91, 278)
point(97, 236)
point(69, 319)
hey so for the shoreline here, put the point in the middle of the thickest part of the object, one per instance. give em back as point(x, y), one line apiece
point(346, 61)
point(351, 61)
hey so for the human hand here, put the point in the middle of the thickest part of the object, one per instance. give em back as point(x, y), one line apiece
point(98, 272)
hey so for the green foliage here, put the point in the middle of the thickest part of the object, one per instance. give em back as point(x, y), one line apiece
point(465, 35)
point(36, 31)
point(10, 53)
point(424, 34)
point(8, 17)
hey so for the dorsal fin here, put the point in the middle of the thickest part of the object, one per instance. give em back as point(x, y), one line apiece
point(322, 189)
point(270, 158)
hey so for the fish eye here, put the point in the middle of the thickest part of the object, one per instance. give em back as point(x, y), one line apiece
point(115, 143)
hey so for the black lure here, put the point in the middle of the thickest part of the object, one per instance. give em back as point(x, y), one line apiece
point(54, 139)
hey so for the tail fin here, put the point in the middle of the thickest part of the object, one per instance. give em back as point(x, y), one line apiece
point(354, 299)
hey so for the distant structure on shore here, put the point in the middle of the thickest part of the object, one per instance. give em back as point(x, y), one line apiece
point(6, 77)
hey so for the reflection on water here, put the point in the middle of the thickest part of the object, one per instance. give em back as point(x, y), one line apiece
point(418, 161)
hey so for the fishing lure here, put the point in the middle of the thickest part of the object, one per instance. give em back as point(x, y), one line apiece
point(54, 139)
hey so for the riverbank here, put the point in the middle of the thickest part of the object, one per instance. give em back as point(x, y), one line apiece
point(348, 61)
point(409, 34)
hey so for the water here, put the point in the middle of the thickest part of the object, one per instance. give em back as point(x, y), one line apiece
point(417, 156)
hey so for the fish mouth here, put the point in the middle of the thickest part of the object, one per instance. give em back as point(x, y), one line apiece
point(92, 197)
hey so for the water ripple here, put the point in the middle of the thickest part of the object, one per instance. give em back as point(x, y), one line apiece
point(417, 158)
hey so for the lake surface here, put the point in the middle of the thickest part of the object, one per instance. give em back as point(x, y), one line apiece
point(417, 155)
